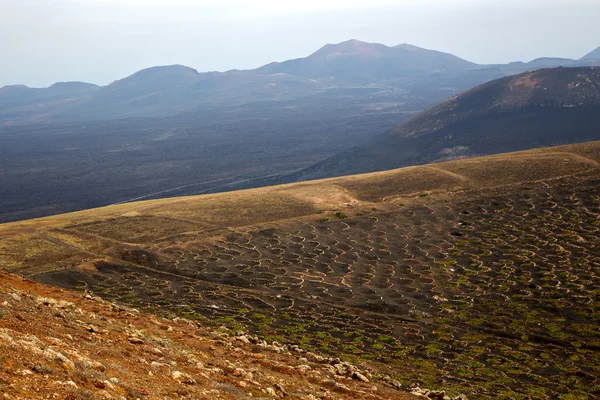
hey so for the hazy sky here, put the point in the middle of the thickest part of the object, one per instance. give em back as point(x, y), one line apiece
point(98, 41)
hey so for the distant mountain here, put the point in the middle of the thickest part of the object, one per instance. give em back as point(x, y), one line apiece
point(406, 70)
point(592, 55)
point(436, 59)
point(156, 79)
point(16, 94)
point(156, 91)
point(143, 92)
point(61, 88)
point(354, 59)
point(539, 108)
point(545, 62)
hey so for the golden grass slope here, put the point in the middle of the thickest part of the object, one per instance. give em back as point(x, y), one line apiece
point(43, 242)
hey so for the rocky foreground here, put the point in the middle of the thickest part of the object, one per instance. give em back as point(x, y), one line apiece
point(58, 344)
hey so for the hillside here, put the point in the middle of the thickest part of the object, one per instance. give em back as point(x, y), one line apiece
point(73, 345)
point(540, 108)
point(179, 139)
point(475, 276)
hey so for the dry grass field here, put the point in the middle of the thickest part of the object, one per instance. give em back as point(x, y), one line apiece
point(478, 276)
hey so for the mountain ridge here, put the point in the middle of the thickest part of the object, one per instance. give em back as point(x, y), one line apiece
point(173, 89)
point(593, 55)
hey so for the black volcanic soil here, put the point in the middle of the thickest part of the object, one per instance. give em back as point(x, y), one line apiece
point(493, 292)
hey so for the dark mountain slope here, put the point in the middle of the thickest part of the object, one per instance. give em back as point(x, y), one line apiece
point(533, 109)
